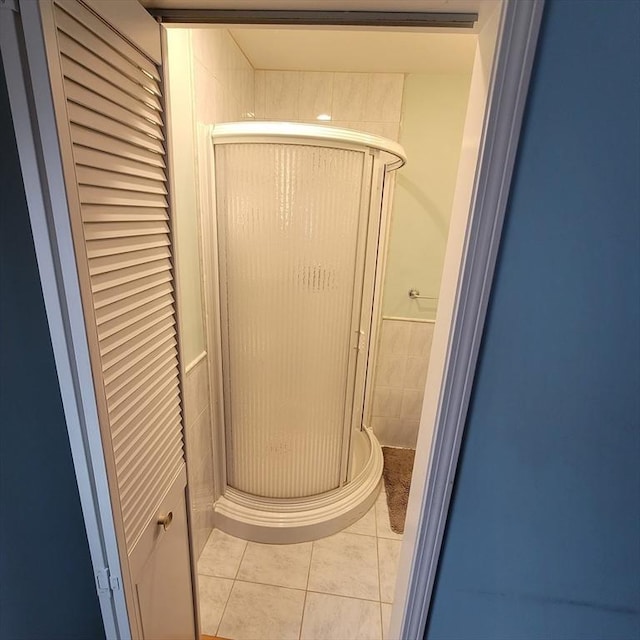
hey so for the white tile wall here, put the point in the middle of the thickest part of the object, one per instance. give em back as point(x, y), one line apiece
point(198, 441)
point(369, 102)
point(401, 373)
point(224, 78)
point(315, 94)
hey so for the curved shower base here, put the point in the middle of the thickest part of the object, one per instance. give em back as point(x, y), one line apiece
point(290, 520)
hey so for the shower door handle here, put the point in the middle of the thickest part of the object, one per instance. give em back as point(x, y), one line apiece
point(362, 343)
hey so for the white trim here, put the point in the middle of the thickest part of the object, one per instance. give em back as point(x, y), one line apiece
point(231, 132)
point(430, 497)
point(401, 319)
point(207, 216)
point(195, 362)
point(39, 151)
point(384, 226)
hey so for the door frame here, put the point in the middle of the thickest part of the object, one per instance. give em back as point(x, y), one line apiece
point(456, 342)
point(490, 142)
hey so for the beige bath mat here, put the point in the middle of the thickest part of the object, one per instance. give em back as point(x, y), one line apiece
point(398, 465)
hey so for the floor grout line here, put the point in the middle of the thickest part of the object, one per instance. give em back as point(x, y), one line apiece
point(304, 606)
point(306, 588)
point(234, 579)
point(378, 569)
point(268, 584)
point(226, 602)
point(313, 545)
point(244, 551)
point(341, 595)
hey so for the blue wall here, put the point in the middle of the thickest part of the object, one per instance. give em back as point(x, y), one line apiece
point(46, 580)
point(544, 534)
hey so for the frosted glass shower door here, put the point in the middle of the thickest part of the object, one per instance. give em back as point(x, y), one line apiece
point(291, 229)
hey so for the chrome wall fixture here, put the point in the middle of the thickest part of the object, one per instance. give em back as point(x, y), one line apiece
point(414, 294)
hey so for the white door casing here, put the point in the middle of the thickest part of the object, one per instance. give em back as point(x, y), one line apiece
point(499, 83)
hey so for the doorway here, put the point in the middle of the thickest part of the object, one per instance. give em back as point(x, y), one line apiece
point(419, 99)
point(462, 306)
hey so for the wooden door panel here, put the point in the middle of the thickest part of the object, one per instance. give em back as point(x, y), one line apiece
point(164, 570)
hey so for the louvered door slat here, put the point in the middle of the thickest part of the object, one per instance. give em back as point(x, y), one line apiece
point(83, 56)
point(129, 364)
point(146, 472)
point(156, 366)
point(158, 441)
point(116, 180)
point(129, 266)
point(118, 246)
point(134, 324)
point(95, 158)
point(104, 123)
point(128, 445)
point(109, 296)
point(122, 383)
point(123, 148)
point(81, 96)
point(114, 108)
point(94, 101)
point(102, 230)
point(70, 14)
point(134, 96)
point(111, 332)
point(103, 195)
point(143, 104)
point(122, 306)
point(135, 342)
point(126, 419)
point(103, 213)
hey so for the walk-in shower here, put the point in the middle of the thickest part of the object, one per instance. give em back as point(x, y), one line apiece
point(299, 211)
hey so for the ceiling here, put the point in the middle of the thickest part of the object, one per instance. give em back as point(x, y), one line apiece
point(356, 51)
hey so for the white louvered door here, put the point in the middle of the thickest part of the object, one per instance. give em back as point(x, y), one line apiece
point(109, 107)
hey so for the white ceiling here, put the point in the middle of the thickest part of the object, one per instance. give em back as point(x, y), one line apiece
point(352, 49)
point(356, 50)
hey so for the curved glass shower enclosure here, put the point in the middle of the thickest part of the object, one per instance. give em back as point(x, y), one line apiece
point(299, 215)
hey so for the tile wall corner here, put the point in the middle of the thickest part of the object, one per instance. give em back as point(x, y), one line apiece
point(401, 373)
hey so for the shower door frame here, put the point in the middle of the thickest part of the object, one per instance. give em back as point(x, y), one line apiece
point(366, 293)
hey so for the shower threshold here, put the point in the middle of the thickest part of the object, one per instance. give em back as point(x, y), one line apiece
point(289, 520)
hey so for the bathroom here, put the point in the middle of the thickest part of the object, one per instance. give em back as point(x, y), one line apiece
point(412, 89)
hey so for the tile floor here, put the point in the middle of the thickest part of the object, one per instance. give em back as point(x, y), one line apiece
point(336, 588)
